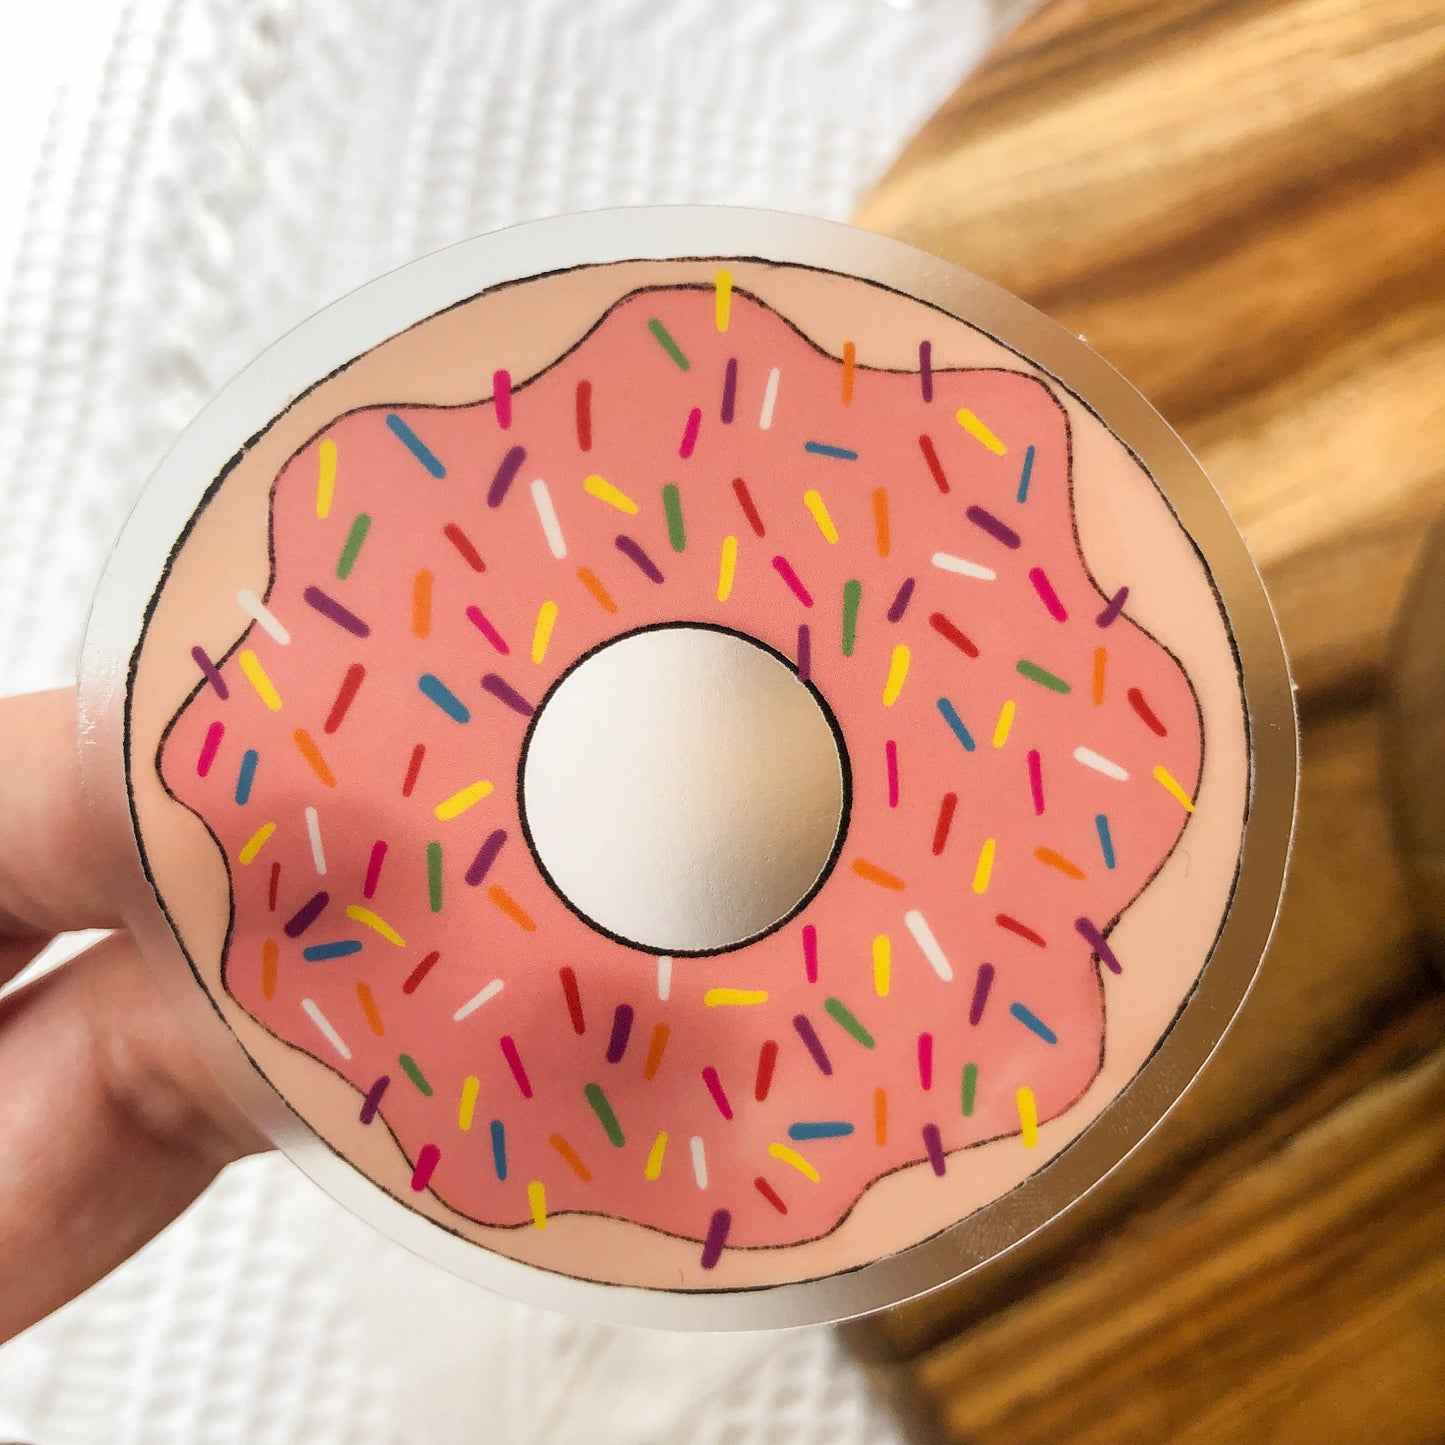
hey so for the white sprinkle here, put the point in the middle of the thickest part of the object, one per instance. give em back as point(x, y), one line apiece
point(477, 1000)
point(1091, 759)
point(770, 399)
point(547, 513)
point(949, 563)
point(324, 1024)
point(917, 925)
point(664, 977)
point(313, 831)
point(699, 1162)
point(254, 607)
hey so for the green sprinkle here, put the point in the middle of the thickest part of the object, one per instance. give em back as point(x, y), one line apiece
point(410, 1069)
point(354, 538)
point(852, 596)
point(434, 875)
point(665, 341)
point(604, 1113)
point(970, 1088)
point(1035, 673)
point(841, 1015)
point(672, 505)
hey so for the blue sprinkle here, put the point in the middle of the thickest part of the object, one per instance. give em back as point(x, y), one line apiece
point(1106, 843)
point(499, 1148)
point(1033, 1023)
point(1028, 472)
point(825, 1129)
point(444, 697)
point(955, 723)
point(325, 952)
point(246, 776)
point(822, 449)
point(415, 445)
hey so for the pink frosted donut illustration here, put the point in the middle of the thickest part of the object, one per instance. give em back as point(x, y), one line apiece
point(1021, 758)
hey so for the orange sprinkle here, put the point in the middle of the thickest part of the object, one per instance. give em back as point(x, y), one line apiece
point(880, 1116)
point(1101, 661)
point(850, 355)
point(874, 874)
point(421, 604)
point(589, 579)
point(880, 521)
point(1057, 860)
point(655, 1050)
point(270, 961)
point(367, 1000)
point(512, 908)
point(574, 1161)
point(312, 754)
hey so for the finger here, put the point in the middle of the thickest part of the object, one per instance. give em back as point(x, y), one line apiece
point(50, 875)
point(111, 1126)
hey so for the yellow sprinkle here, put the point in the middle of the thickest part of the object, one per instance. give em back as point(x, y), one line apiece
point(325, 476)
point(791, 1156)
point(364, 916)
point(1166, 779)
point(882, 964)
point(471, 1087)
point(726, 568)
point(458, 803)
point(654, 1158)
point(537, 1198)
point(984, 871)
point(723, 298)
point(813, 501)
point(1028, 1117)
point(604, 491)
point(739, 997)
point(542, 632)
point(256, 676)
point(897, 672)
point(256, 842)
point(975, 428)
point(1004, 724)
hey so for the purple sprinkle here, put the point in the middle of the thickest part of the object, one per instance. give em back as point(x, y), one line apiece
point(813, 1043)
point(805, 653)
point(987, 522)
point(730, 390)
point(212, 674)
point(634, 553)
point(330, 607)
point(1115, 607)
point(621, 1032)
point(307, 914)
point(506, 475)
point(689, 433)
point(504, 692)
point(933, 1142)
point(486, 856)
point(1099, 944)
point(372, 1102)
point(901, 601)
point(717, 1236)
point(925, 369)
point(981, 986)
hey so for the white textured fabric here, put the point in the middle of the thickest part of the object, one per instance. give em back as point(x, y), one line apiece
point(182, 181)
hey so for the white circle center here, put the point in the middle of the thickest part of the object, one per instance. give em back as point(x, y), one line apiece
point(683, 790)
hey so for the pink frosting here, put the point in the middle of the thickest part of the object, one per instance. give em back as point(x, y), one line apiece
point(942, 1059)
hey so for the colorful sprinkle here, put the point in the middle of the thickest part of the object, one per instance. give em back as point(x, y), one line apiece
point(537, 1199)
point(209, 748)
point(508, 1046)
point(946, 562)
point(982, 983)
point(1170, 784)
point(767, 1061)
point(1028, 1118)
point(822, 1129)
point(1035, 673)
point(434, 876)
point(514, 910)
point(880, 1116)
point(478, 1000)
point(664, 977)
point(369, 1010)
point(734, 997)
point(1033, 1023)
point(980, 433)
point(730, 392)
point(1116, 606)
point(502, 398)
point(351, 548)
point(699, 1161)
point(933, 1143)
point(770, 399)
point(881, 538)
point(890, 757)
point(634, 553)
point(262, 615)
point(925, 369)
point(946, 629)
point(313, 836)
point(848, 1021)
point(770, 1194)
point(850, 361)
point(1047, 595)
point(968, 1093)
point(270, 967)
point(414, 444)
point(421, 594)
point(467, 1104)
point(434, 689)
point(542, 631)
point(946, 806)
point(412, 1070)
point(935, 467)
point(882, 964)
point(1020, 930)
point(345, 696)
point(653, 1171)
point(463, 544)
point(925, 1061)
point(573, 995)
point(689, 434)
point(255, 843)
point(923, 936)
point(570, 1157)
point(826, 449)
point(897, 674)
point(273, 891)
point(306, 746)
point(210, 672)
point(987, 522)
point(256, 675)
point(749, 508)
point(983, 869)
point(901, 599)
point(598, 1100)
point(784, 569)
point(378, 925)
point(486, 856)
point(547, 516)
point(325, 477)
point(589, 579)
point(331, 609)
point(307, 914)
point(506, 694)
point(584, 416)
point(1099, 944)
point(722, 283)
point(604, 491)
point(1036, 781)
point(672, 510)
point(413, 770)
point(715, 1088)
point(1101, 764)
point(1057, 861)
point(1106, 841)
point(482, 623)
point(871, 873)
point(794, 1160)
point(1101, 668)
point(499, 1149)
point(656, 1048)
point(1026, 475)
point(1004, 725)
point(805, 652)
point(727, 567)
point(810, 952)
point(818, 510)
point(813, 1043)
point(664, 340)
point(372, 1102)
point(955, 724)
point(415, 977)
point(852, 598)
point(621, 1033)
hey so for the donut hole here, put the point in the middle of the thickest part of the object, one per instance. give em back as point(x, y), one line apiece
point(683, 791)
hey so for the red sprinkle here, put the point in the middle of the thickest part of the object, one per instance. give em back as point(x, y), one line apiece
point(210, 747)
point(1136, 701)
point(275, 885)
point(373, 869)
point(574, 1000)
point(945, 822)
point(413, 768)
point(414, 978)
point(767, 1059)
point(345, 696)
point(745, 501)
point(944, 628)
point(463, 544)
point(715, 1088)
point(584, 415)
point(925, 445)
point(1022, 929)
point(770, 1194)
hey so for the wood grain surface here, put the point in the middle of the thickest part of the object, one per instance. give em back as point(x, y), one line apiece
point(1242, 206)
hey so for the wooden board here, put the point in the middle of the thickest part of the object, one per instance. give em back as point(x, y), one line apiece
point(1240, 204)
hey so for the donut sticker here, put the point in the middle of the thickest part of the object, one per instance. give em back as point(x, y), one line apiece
point(972, 610)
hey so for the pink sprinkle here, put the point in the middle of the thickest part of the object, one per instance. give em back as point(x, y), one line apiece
point(1047, 595)
point(373, 869)
point(502, 397)
point(514, 1062)
point(210, 748)
point(1036, 781)
point(689, 433)
point(426, 1163)
point(890, 750)
point(478, 620)
point(784, 570)
point(925, 1060)
point(810, 952)
point(715, 1088)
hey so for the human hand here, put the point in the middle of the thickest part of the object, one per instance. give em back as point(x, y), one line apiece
point(110, 1124)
